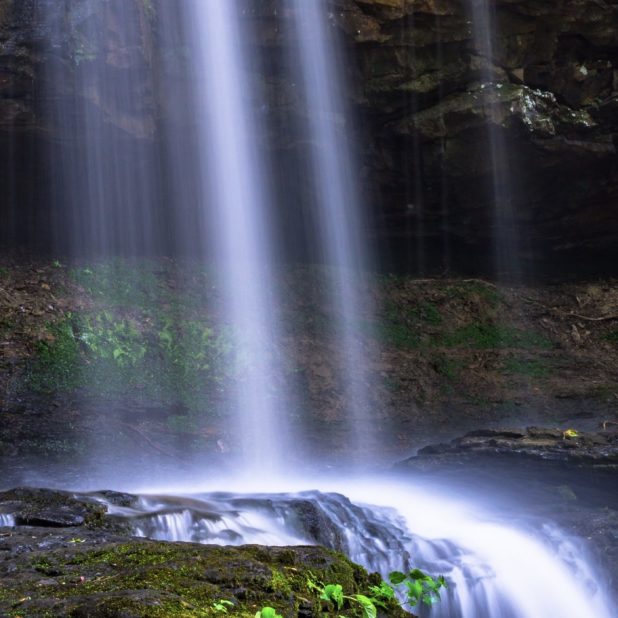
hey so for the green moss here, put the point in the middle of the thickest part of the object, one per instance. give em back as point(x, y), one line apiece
point(467, 290)
point(532, 368)
point(399, 335)
point(480, 335)
point(124, 283)
point(57, 366)
point(150, 354)
point(156, 580)
point(427, 312)
point(612, 336)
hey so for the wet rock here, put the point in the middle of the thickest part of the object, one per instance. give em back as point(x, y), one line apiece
point(49, 508)
point(564, 446)
point(105, 575)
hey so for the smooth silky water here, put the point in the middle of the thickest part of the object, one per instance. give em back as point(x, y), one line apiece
point(338, 204)
point(496, 565)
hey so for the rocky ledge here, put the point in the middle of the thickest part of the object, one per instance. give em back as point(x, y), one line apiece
point(567, 446)
point(78, 562)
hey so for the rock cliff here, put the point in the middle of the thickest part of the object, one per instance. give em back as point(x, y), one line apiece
point(427, 93)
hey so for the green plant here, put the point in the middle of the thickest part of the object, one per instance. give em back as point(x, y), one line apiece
point(221, 606)
point(612, 336)
point(427, 312)
point(57, 365)
point(268, 612)
point(481, 335)
point(334, 594)
point(533, 368)
point(420, 587)
point(113, 339)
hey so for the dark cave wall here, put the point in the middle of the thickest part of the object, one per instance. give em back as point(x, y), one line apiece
point(413, 72)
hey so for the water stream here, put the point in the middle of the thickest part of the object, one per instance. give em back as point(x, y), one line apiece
point(337, 202)
point(236, 225)
point(496, 567)
point(491, 560)
point(504, 234)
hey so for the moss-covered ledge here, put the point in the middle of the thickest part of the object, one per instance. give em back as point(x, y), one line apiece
point(80, 572)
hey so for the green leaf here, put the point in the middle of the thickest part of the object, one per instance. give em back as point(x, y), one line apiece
point(268, 612)
point(415, 590)
point(369, 609)
point(334, 593)
point(417, 574)
point(397, 577)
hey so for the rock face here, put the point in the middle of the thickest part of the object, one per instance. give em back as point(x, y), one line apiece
point(430, 93)
point(77, 563)
point(594, 450)
point(426, 92)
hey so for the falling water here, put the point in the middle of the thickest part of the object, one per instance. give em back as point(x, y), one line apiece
point(236, 222)
point(505, 237)
point(102, 149)
point(337, 203)
point(492, 565)
point(491, 562)
point(6, 520)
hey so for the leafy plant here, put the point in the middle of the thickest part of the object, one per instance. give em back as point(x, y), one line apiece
point(420, 587)
point(333, 593)
point(221, 606)
point(110, 338)
point(268, 612)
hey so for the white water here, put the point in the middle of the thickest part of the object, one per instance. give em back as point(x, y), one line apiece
point(6, 520)
point(235, 222)
point(505, 237)
point(337, 203)
point(495, 568)
point(495, 565)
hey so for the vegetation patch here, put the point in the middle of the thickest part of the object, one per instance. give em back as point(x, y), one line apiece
point(529, 367)
point(160, 580)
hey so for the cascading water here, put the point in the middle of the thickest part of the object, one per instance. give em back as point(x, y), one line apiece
point(337, 204)
point(491, 566)
point(236, 222)
point(6, 520)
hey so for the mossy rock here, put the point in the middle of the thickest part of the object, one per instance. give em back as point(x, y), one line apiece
point(57, 509)
point(53, 573)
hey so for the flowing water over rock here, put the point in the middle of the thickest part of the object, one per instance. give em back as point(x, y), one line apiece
point(110, 189)
point(493, 566)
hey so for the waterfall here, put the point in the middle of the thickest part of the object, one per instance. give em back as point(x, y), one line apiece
point(108, 202)
point(494, 566)
point(104, 180)
point(6, 520)
point(338, 204)
point(236, 222)
point(505, 237)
